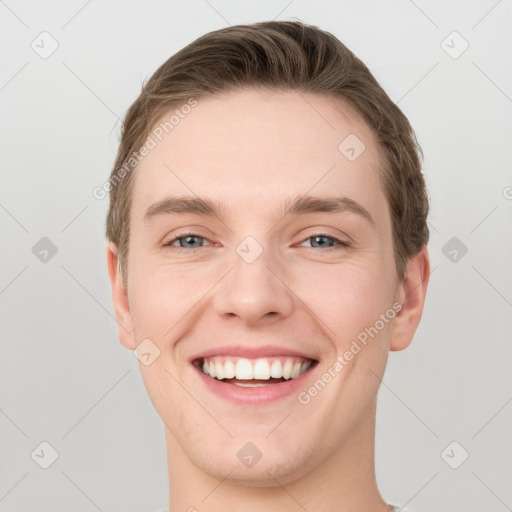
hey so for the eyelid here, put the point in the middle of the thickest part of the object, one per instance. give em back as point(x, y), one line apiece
point(325, 231)
point(183, 234)
point(339, 240)
point(341, 243)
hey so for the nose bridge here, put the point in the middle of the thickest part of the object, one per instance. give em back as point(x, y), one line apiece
point(252, 291)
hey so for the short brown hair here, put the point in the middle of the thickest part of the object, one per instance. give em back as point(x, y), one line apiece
point(278, 55)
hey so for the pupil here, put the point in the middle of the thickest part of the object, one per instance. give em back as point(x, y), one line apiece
point(190, 239)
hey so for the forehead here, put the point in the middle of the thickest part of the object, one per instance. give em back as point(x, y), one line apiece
point(248, 146)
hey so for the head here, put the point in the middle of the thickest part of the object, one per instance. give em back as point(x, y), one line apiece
point(274, 150)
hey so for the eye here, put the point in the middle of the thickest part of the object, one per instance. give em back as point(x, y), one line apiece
point(322, 240)
point(186, 241)
point(194, 241)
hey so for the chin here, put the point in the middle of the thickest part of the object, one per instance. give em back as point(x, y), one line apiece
point(277, 465)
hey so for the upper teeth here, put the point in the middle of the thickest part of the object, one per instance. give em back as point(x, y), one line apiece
point(225, 367)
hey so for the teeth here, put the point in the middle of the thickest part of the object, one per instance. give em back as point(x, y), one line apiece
point(211, 370)
point(261, 369)
point(296, 370)
point(219, 370)
point(229, 370)
point(276, 370)
point(243, 370)
point(305, 366)
point(226, 367)
point(287, 369)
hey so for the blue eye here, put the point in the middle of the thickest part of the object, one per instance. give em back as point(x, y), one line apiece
point(188, 238)
point(321, 239)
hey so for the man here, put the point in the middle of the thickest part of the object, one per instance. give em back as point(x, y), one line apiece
point(267, 249)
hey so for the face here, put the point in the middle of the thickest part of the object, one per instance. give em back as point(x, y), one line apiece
point(266, 292)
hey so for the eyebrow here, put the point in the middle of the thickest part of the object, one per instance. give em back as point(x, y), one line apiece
point(298, 205)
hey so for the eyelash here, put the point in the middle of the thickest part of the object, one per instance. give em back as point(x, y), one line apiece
point(342, 243)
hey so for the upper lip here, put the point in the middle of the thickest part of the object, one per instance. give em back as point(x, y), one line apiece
point(251, 352)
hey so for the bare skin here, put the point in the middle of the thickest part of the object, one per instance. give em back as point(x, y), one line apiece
point(250, 151)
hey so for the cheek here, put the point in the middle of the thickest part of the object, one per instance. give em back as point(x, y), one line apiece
point(346, 299)
point(162, 297)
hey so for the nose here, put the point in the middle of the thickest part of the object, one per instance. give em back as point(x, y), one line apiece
point(255, 293)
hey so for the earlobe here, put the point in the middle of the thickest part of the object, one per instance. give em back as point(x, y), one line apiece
point(412, 292)
point(120, 300)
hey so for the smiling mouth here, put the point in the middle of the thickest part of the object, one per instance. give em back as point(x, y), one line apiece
point(245, 372)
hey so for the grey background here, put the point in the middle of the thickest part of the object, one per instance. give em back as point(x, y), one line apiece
point(65, 378)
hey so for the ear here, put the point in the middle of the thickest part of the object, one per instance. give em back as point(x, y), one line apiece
point(120, 300)
point(411, 295)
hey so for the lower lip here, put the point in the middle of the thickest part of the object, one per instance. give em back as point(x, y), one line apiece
point(256, 395)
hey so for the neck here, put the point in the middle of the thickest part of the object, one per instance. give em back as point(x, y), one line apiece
point(344, 482)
